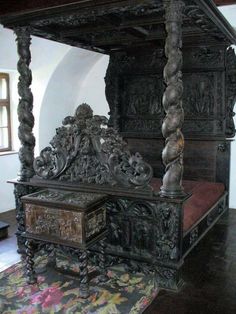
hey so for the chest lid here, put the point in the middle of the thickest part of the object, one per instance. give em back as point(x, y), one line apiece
point(65, 199)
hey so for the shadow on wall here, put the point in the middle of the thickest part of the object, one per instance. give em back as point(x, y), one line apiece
point(70, 84)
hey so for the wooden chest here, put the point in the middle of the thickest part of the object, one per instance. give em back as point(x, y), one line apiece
point(70, 218)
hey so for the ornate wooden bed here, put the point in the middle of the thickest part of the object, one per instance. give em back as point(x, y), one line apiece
point(153, 224)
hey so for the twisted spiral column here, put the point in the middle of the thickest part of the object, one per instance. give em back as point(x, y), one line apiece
point(84, 282)
point(31, 276)
point(102, 261)
point(25, 106)
point(172, 154)
point(19, 191)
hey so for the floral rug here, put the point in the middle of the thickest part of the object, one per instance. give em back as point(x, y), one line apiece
point(57, 292)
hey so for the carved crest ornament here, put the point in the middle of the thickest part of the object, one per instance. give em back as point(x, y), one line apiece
point(85, 150)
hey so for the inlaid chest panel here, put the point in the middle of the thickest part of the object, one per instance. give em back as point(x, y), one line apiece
point(59, 223)
point(64, 216)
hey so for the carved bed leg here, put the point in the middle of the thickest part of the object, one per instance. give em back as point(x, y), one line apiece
point(30, 262)
point(103, 277)
point(169, 278)
point(19, 191)
point(25, 106)
point(172, 154)
point(51, 255)
point(83, 265)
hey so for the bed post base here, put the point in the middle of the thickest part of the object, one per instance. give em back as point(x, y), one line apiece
point(169, 278)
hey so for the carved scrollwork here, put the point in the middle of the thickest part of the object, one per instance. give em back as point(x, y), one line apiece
point(199, 18)
point(86, 150)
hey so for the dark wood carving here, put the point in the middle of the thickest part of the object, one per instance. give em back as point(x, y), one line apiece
point(86, 151)
point(65, 216)
point(62, 224)
point(31, 275)
point(25, 107)
point(230, 91)
point(19, 191)
point(144, 229)
point(198, 16)
point(172, 154)
point(106, 27)
point(203, 97)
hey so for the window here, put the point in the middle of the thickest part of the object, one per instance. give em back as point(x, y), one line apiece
point(5, 127)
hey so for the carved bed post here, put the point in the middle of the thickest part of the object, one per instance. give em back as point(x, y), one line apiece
point(172, 154)
point(25, 106)
point(26, 120)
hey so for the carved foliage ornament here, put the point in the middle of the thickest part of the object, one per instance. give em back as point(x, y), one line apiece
point(85, 150)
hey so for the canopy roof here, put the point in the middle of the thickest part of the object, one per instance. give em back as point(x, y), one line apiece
point(109, 25)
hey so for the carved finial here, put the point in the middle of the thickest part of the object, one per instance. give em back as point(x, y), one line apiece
point(84, 111)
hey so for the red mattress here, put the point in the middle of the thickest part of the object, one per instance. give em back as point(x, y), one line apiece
point(204, 196)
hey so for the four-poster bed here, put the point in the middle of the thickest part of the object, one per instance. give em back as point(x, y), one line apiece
point(152, 224)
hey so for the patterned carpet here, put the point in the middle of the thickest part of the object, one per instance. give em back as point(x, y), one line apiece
point(57, 292)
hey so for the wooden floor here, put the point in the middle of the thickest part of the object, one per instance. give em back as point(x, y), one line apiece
point(8, 247)
point(209, 272)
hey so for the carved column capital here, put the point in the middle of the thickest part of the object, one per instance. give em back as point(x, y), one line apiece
point(172, 154)
point(25, 106)
point(23, 33)
point(173, 10)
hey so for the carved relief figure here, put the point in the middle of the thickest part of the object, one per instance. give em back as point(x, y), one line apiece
point(198, 95)
point(143, 96)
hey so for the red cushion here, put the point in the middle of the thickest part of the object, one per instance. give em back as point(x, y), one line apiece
point(204, 196)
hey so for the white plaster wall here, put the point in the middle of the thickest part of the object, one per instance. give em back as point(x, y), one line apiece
point(59, 78)
point(78, 78)
point(45, 57)
point(9, 166)
point(92, 90)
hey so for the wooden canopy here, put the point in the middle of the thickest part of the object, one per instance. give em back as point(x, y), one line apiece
point(107, 26)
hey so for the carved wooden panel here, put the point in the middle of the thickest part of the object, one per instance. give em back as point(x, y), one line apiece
point(203, 103)
point(95, 222)
point(66, 198)
point(61, 224)
point(65, 215)
point(135, 100)
point(144, 229)
point(203, 160)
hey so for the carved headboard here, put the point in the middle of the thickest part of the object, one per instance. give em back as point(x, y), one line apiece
point(86, 151)
point(134, 89)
